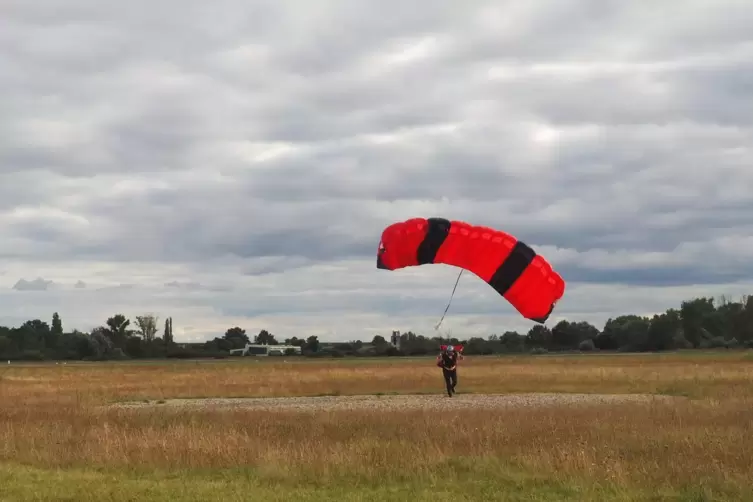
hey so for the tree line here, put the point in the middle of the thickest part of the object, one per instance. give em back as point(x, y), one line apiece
point(700, 323)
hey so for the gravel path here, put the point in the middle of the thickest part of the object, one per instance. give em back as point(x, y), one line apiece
point(400, 402)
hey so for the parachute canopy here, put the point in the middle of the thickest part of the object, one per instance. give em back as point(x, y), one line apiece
point(525, 279)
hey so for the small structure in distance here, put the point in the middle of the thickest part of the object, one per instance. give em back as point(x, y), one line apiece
point(256, 349)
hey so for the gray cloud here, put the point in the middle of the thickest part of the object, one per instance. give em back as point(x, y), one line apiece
point(219, 159)
point(37, 284)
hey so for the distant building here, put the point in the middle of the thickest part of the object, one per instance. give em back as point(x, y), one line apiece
point(395, 339)
point(191, 345)
point(256, 349)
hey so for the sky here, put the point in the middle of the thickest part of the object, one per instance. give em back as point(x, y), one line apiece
point(233, 163)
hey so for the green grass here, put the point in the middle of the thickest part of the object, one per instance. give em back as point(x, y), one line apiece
point(464, 480)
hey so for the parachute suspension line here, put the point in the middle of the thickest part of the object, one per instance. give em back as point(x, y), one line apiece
point(436, 328)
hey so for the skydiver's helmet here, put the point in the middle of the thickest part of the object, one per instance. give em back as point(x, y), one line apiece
point(450, 349)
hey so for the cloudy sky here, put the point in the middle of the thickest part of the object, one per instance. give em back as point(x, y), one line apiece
point(234, 162)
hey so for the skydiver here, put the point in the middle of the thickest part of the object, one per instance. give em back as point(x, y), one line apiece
point(448, 361)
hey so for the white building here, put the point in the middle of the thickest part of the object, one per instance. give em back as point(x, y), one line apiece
point(256, 349)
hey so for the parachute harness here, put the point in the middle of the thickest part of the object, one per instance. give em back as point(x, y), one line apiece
point(436, 328)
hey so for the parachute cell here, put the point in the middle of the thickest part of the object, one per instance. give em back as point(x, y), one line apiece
point(521, 276)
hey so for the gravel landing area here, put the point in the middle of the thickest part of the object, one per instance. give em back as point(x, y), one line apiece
point(399, 402)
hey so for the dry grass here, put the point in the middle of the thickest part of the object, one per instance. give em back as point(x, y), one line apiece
point(713, 375)
point(51, 418)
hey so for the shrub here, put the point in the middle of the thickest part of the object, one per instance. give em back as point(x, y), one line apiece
point(587, 345)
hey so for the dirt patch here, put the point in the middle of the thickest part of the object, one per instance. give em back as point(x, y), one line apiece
point(400, 402)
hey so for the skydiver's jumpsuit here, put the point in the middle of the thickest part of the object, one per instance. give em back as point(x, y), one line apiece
point(450, 375)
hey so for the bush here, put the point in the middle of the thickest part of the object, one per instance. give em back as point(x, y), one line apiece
point(33, 355)
point(680, 342)
point(181, 353)
point(587, 345)
point(717, 342)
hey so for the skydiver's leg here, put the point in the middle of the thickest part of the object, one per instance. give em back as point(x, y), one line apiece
point(454, 379)
point(447, 381)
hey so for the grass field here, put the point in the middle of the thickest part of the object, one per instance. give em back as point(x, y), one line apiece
point(61, 440)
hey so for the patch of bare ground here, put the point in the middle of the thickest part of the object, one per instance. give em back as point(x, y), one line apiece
point(401, 402)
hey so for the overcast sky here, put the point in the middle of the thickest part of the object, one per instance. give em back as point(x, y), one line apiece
point(234, 162)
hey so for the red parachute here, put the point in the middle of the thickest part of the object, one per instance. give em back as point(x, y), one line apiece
point(512, 268)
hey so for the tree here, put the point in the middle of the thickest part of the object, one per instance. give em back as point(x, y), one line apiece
point(706, 322)
point(477, 345)
point(57, 325)
point(5, 344)
point(33, 335)
point(76, 345)
point(665, 332)
point(134, 346)
point(627, 332)
point(698, 320)
point(746, 330)
point(167, 337)
point(378, 341)
point(298, 342)
point(236, 337)
point(587, 345)
point(566, 335)
point(732, 317)
point(147, 325)
point(511, 341)
point(265, 338)
point(117, 330)
point(312, 343)
point(539, 337)
point(102, 343)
